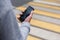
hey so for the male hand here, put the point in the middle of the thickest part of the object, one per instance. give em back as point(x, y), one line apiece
point(28, 19)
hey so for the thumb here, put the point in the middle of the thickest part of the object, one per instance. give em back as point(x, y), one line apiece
point(28, 19)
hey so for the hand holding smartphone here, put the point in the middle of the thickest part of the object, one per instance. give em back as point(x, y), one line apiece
point(26, 13)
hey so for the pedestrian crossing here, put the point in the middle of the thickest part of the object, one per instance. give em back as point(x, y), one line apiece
point(43, 5)
point(44, 25)
point(44, 34)
point(43, 9)
point(40, 12)
point(46, 19)
point(55, 1)
point(33, 38)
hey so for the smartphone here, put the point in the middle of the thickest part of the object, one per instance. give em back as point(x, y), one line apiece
point(26, 13)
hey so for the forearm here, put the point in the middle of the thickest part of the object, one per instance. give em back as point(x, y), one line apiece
point(25, 29)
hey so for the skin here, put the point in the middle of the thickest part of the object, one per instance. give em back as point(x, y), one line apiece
point(28, 19)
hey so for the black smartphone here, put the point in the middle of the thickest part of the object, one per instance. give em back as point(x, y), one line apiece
point(26, 13)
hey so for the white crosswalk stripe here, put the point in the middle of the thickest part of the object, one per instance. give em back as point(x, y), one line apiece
point(44, 34)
